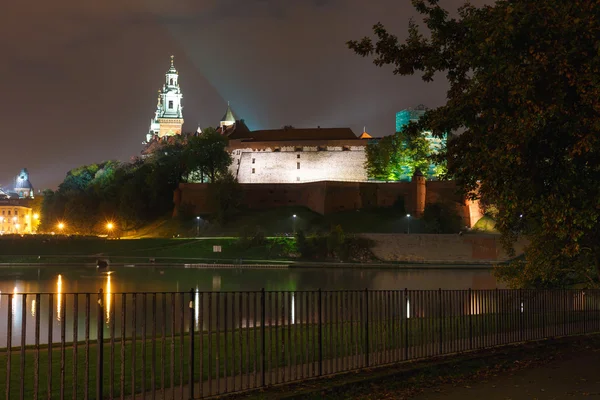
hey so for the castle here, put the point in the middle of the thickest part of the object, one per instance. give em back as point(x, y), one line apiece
point(287, 155)
point(319, 168)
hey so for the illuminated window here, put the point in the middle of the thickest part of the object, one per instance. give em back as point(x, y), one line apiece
point(170, 104)
point(253, 170)
point(298, 165)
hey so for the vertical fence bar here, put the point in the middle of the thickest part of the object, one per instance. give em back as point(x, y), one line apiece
point(201, 331)
point(123, 333)
point(50, 323)
point(23, 342)
point(470, 317)
point(9, 325)
point(366, 327)
point(320, 332)
point(153, 363)
point(163, 346)
point(133, 342)
point(63, 328)
point(262, 326)
point(191, 333)
point(143, 349)
point(181, 341)
point(441, 323)
point(100, 348)
point(112, 322)
point(36, 361)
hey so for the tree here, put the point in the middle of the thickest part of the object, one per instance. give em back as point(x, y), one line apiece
point(226, 193)
point(206, 155)
point(396, 157)
point(524, 88)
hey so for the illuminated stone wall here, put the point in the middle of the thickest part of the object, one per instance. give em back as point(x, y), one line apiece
point(290, 166)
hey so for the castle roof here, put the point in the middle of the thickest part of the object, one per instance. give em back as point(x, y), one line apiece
point(365, 135)
point(295, 134)
point(228, 117)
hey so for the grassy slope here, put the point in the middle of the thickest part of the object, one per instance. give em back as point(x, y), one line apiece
point(280, 221)
point(28, 249)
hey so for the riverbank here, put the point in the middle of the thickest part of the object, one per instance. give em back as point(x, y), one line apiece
point(389, 251)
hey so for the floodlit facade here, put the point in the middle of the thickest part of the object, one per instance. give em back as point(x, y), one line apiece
point(168, 117)
point(15, 219)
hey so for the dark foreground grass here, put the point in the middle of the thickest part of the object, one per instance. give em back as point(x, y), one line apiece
point(406, 380)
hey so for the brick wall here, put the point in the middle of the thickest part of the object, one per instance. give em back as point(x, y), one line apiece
point(323, 197)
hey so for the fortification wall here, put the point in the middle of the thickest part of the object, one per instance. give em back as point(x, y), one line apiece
point(323, 197)
point(289, 166)
point(454, 248)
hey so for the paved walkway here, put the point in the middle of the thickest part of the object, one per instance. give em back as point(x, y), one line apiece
point(574, 375)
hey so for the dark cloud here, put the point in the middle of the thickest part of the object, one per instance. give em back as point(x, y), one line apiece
point(79, 77)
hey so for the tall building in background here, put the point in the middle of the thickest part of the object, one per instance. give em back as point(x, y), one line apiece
point(404, 117)
point(168, 117)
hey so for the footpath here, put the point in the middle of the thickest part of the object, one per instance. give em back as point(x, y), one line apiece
point(565, 368)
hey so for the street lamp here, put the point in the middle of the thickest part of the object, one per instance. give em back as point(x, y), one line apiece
point(294, 223)
point(197, 226)
point(61, 226)
point(408, 223)
point(109, 227)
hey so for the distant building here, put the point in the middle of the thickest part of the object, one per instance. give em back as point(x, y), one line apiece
point(23, 187)
point(168, 117)
point(404, 117)
point(16, 217)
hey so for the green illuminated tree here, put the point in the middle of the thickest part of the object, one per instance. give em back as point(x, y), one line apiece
point(395, 157)
point(524, 87)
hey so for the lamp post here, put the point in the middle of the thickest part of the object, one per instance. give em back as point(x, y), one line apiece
point(197, 226)
point(61, 227)
point(294, 223)
point(408, 223)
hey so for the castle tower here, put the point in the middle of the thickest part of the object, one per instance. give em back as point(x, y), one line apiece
point(168, 118)
point(420, 193)
point(229, 118)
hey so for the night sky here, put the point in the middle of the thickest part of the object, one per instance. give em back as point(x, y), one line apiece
point(79, 77)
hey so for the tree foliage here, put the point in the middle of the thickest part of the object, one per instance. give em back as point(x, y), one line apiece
point(524, 86)
point(396, 157)
point(132, 194)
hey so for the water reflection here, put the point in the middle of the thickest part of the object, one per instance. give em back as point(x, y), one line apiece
point(33, 307)
point(108, 291)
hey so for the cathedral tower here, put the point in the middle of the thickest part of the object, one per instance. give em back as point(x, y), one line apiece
point(168, 118)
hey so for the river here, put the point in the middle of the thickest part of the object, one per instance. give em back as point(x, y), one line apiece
point(68, 280)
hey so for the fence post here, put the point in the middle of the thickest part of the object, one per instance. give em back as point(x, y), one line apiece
point(407, 310)
point(264, 341)
point(320, 333)
point(470, 311)
point(366, 327)
point(521, 310)
point(441, 319)
point(100, 345)
point(191, 332)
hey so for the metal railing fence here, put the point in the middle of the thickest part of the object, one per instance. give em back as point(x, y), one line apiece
point(201, 344)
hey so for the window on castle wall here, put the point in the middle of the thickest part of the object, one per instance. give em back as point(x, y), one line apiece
point(254, 161)
point(297, 179)
point(253, 170)
point(297, 165)
point(171, 104)
point(171, 81)
point(297, 155)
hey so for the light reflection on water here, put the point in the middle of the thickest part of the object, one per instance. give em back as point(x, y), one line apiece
point(67, 280)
